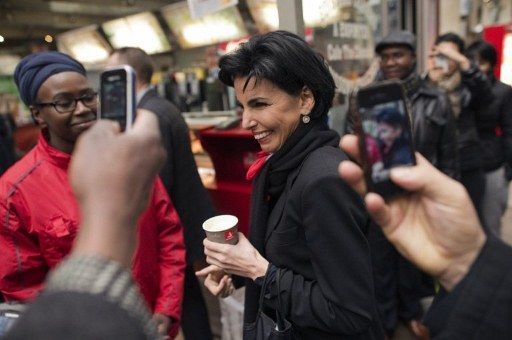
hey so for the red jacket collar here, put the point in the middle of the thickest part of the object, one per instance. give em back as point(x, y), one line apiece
point(57, 157)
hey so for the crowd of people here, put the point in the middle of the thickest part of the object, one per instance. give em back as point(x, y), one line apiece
point(92, 236)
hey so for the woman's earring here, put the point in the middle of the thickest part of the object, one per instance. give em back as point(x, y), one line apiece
point(305, 118)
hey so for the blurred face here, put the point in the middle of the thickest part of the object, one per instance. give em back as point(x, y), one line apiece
point(270, 113)
point(452, 65)
point(484, 65)
point(64, 128)
point(388, 133)
point(396, 62)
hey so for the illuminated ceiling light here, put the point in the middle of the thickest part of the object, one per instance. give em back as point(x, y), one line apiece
point(84, 44)
point(139, 30)
point(211, 29)
point(1, 39)
point(48, 38)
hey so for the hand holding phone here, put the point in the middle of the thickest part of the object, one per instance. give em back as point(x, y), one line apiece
point(117, 96)
point(441, 62)
point(385, 134)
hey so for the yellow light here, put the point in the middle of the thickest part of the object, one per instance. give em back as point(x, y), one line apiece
point(48, 38)
point(88, 52)
point(1, 39)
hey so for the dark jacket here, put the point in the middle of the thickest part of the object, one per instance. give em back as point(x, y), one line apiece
point(316, 236)
point(480, 306)
point(180, 175)
point(399, 154)
point(494, 124)
point(475, 93)
point(7, 156)
point(434, 130)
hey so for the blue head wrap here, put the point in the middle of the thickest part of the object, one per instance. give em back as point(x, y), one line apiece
point(34, 69)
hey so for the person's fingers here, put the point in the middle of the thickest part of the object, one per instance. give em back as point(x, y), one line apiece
point(214, 287)
point(423, 177)
point(378, 209)
point(216, 262)
point(208, 270)
point(241, 237)
point(353, 175)
point(145, 124)
point(162, 328)
point(106, 126)
point(101, 131)
point(350, 145)
point(228, 289)
point(215, 247)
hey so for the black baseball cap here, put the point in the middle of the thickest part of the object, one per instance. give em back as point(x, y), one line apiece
point(398, 38)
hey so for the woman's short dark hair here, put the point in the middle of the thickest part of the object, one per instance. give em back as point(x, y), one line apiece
point(483, 51)
point(390, 116)
point(453, 38)
point(284, 59)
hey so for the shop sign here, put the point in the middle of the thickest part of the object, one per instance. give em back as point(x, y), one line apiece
point(348, 44)
point(200, 8)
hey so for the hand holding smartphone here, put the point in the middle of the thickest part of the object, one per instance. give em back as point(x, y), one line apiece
point(117, 96)
point(441, 62)
point(385, 136)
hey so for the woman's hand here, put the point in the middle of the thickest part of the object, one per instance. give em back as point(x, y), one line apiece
point(241, 259)
point(217, 281)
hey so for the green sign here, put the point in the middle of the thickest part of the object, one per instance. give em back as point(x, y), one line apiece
point(7, 85)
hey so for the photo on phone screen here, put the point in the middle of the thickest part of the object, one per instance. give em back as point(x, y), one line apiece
point(386, 137)
point(117, 95)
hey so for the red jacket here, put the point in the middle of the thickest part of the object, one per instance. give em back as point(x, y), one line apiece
point(39, 221)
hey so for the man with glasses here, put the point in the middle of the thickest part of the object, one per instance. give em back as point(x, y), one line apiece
point(39, 214)
point(399, 286)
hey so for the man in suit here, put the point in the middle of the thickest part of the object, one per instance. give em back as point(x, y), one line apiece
point(181, 179)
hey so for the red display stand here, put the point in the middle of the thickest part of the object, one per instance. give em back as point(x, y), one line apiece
point(232, 152)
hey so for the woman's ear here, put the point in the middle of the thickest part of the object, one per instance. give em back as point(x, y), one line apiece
point(36, 115)
point(307, 100)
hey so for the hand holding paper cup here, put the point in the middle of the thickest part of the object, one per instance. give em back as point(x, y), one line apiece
point(222, 229)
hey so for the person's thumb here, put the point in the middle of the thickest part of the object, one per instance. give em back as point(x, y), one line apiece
point(423, 177)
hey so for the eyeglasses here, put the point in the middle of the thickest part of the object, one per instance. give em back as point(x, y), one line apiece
point(68, 104)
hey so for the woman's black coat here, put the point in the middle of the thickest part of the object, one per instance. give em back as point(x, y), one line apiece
point(316, 235)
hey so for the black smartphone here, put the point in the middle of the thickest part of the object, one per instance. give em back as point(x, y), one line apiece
point(117, 95)
point(385, 136)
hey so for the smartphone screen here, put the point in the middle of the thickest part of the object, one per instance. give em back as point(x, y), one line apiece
point(117, 95)
point(386, 138)
point(441, 62)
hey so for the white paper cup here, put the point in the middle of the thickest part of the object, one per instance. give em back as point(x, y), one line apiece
point(222, 229)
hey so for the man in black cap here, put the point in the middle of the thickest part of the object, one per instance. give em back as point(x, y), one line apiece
point(432, 120)
point(399, 286)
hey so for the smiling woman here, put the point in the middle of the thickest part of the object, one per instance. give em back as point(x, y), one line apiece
point(41, 213)
point(65, 107)
point(307, 251)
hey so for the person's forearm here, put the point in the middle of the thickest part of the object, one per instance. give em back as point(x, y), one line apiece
point(111, 239)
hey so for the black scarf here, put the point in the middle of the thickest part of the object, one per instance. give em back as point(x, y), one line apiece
point(270, 183)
